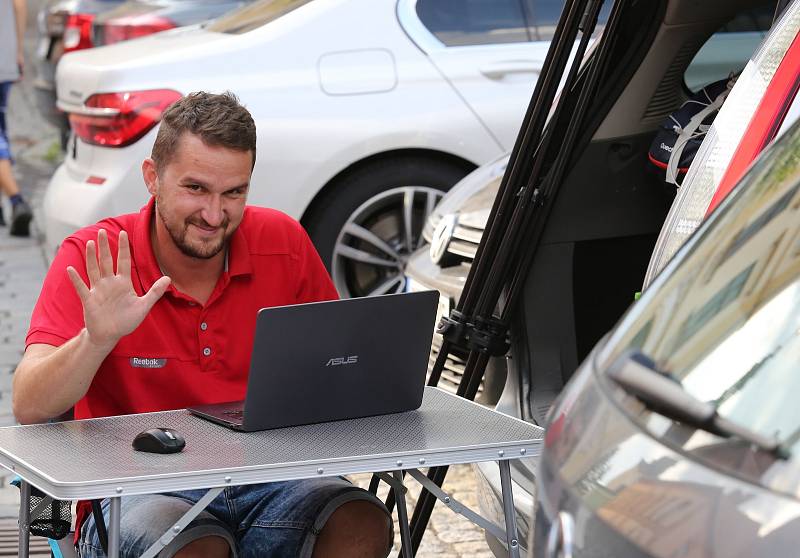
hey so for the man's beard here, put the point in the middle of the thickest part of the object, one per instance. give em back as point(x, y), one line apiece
point(179, 231)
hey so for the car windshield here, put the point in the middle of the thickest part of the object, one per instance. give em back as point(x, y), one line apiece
point(723, 319)
point(253, 16)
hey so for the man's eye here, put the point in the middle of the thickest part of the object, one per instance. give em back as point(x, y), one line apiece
point(194, 187)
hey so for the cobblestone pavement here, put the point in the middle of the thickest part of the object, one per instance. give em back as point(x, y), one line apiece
point(448, 535)
point(23, 266)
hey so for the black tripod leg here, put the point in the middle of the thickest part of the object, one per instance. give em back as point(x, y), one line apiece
point(468, 388)
point(100, 524)
point(373, 484)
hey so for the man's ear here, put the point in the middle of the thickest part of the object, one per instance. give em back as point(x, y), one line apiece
point(150, 176)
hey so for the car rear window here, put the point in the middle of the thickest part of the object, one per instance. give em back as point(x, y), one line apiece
point(474, 22)
point(543, 16)
point(254, 16)
point(728, 50)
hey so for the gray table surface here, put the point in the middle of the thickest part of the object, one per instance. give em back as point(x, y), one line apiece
point(94, 458)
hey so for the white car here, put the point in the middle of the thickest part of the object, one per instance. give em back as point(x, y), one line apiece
point(367, 110)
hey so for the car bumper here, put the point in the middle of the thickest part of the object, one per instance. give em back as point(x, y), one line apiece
point(449, 281)
point(71, 203)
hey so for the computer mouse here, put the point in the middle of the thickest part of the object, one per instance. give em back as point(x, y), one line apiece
point(159, 440)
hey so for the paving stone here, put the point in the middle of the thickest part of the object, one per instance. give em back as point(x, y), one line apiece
point(7, 418)
point(473, 549)
point(5, 383)
point(12, 357)
point(459, 533)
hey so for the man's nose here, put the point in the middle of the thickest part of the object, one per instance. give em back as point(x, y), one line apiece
point(212, 212)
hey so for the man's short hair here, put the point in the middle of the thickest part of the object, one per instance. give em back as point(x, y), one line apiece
point(218, 120)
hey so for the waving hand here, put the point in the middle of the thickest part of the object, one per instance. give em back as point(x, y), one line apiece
point(111, 308)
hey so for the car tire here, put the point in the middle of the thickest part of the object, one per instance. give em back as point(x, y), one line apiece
point(373, 198)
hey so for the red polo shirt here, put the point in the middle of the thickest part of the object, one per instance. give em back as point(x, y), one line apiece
point(183, 353)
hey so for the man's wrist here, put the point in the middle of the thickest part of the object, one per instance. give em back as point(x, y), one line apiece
point(98, 346)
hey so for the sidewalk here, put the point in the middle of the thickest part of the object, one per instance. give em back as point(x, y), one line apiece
point(22, 269)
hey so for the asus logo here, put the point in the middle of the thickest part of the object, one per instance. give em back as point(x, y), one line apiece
point(338, 361)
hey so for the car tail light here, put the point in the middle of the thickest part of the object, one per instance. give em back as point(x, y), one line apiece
point(765, 123)
point(735, 121)
point(126, 28)
point(120, 119)
point(78, 32)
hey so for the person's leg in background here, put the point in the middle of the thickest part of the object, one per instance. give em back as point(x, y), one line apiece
point(20, 211)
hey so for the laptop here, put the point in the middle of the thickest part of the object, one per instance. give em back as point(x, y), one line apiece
point(334, 360)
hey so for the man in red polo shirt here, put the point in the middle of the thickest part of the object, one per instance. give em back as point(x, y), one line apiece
point(170, 323)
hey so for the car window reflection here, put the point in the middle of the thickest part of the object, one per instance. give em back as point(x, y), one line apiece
point(724, 318)
point(254, 16)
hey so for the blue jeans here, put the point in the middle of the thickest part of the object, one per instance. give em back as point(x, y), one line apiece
point(280, 519)
point(5, 147)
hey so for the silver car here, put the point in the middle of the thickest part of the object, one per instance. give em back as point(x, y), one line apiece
point(678, 436)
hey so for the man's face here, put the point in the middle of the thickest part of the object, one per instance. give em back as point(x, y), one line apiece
point(200, 194)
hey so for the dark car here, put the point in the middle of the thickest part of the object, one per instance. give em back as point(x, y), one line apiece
point(593, 241)
point(137, 18)
point(678, 436)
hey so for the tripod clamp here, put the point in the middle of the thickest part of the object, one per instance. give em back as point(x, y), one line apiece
point(485, 335)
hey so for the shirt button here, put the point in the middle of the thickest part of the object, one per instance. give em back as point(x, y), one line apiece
point(206, 351)
point(204, 326)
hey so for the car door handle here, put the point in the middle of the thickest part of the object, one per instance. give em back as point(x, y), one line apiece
point(499, 70)
point(561, 537)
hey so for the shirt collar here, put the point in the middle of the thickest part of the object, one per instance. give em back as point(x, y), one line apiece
point(238, 257)
point(237, 260)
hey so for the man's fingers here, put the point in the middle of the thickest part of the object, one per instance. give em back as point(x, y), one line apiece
point(157, 291)
point(77, 282)
point(123, 256)
point(106, 261)
point(92, 269)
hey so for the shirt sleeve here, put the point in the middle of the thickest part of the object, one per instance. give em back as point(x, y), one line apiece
point(313, 282)
point(58, 314)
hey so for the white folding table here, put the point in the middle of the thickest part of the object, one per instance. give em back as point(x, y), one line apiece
point(90, 459)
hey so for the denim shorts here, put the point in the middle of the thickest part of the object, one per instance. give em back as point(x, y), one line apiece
point(5, 147)
point(280, 519)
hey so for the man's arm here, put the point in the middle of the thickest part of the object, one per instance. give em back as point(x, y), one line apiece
point(49, 380)
point(71, 367)
point(21, 16)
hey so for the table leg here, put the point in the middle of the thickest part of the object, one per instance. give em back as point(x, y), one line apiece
point(508, 509)
point(402, 516)
point(24, 518)
point(181, 524)
point(113, 527)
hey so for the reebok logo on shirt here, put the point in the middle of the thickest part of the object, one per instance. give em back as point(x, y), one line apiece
point(137, 362)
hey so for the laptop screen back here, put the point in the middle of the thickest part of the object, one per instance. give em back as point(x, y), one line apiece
point(339, 359)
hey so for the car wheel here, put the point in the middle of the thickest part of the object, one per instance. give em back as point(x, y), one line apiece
point(369, 224)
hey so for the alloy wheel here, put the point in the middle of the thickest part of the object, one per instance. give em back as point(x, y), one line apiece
point(373, 246)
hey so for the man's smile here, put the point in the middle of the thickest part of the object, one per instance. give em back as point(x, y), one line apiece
point(207, 230)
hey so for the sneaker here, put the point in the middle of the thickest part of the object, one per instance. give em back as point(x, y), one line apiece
point(21, 216)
